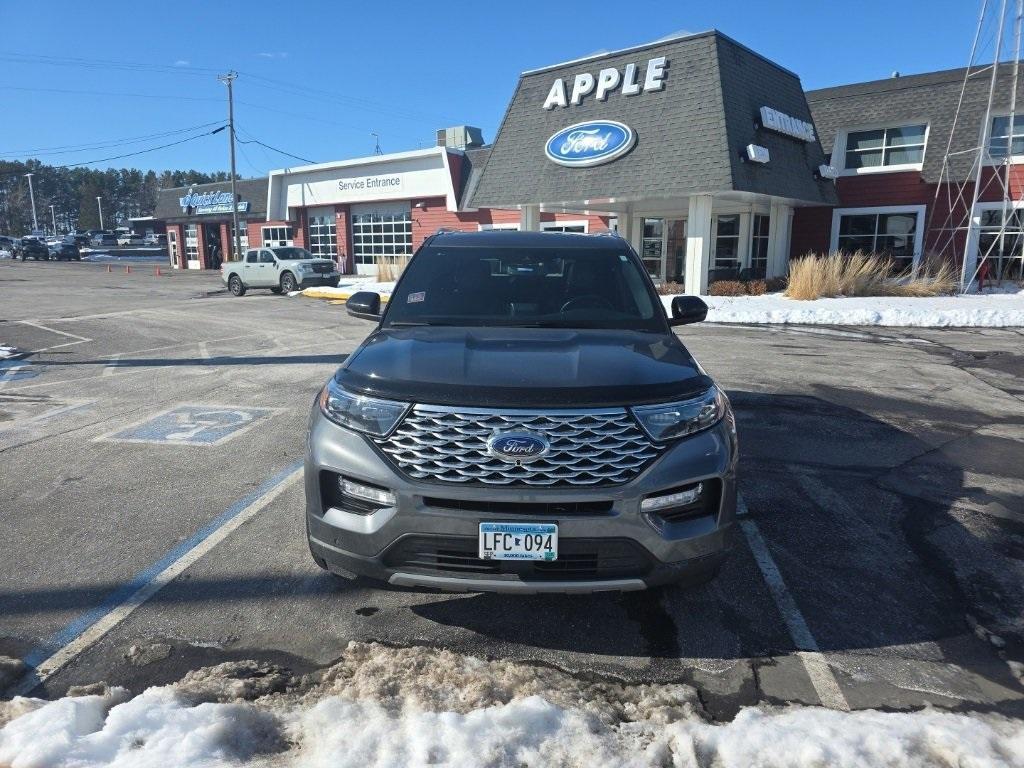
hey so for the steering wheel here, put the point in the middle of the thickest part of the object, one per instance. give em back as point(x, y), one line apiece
point(587, 301)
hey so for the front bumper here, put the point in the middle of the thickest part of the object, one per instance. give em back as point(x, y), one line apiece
point(318, 280)
point(429, 537)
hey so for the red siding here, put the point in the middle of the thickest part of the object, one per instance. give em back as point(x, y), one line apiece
point(434, 216)
point(811, 230)
point(341, 216)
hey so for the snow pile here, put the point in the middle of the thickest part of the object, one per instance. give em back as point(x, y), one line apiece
point(395, 707)
point(5, 254)
point(6, 352)
point(346, 288)
point(992, 310)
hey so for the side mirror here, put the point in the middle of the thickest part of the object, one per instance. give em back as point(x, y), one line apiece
point(364, 304)
point(687, 309)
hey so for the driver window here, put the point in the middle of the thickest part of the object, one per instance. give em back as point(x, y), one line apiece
point(266, 257)
point(251, 257)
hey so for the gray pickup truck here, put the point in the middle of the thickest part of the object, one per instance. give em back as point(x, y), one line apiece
point(283, 270)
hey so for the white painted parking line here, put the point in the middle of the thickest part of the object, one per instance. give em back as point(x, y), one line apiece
point(84, 632)
point(817, 667)
point(77, 339)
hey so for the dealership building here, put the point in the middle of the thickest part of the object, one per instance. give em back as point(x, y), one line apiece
point(708, 157)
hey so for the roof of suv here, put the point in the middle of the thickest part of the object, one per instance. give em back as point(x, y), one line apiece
point(510, 238)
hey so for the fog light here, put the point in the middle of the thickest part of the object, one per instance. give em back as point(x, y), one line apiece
point(678, 499)
point(367, 492)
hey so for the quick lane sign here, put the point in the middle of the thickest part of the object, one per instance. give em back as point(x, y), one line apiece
point(209, 202)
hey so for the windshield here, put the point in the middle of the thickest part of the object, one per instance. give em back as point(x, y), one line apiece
point(292, 254)
point(544, 287)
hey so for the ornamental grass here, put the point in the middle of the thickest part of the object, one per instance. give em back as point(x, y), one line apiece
point(863, 274)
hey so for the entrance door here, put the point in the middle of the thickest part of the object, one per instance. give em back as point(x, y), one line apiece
point(675, 250)
point(652, 249)
point(212, 244)
point(172, 247)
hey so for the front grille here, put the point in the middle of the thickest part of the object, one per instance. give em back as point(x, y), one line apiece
point(543, 509)
point(322, 268)
point(588, 446)
point(578, 559)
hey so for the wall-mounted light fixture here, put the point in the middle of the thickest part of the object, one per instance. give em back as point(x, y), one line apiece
point(757, 154)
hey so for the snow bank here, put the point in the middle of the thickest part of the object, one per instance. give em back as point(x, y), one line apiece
point(395, 707)
point(346, 288)
point(992, 310)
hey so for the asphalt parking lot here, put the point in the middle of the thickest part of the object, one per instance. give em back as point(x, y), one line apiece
point(880, 562)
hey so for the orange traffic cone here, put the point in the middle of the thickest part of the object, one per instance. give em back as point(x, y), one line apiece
point(127, 268)
point(157, 272)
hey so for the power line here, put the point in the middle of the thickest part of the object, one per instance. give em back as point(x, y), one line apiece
point(134, 154)
point(83, 63)
point(72, 148)
point(254, 140)
point(82, 92)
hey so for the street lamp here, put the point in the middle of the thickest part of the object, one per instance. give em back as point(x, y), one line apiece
point(32, 197)
point(99, 204)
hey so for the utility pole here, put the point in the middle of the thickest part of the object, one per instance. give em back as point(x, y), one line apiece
point(99, 204)
point(32, 197)
point(53, 218)
point(229, 80)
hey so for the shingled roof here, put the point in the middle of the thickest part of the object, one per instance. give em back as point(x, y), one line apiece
point(691, 135)
point(930, 98)
point(253, 191)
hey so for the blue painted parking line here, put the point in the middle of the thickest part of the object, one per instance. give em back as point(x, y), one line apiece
point(190, 424)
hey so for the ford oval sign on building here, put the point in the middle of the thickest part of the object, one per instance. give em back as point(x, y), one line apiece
point(591, 143)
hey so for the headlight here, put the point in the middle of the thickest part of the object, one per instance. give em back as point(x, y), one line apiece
point(672, 420)
point(364, 414)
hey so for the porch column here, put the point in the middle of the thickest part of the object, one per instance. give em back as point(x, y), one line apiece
point(529, 218)
point(779, 224)
point(698, 244)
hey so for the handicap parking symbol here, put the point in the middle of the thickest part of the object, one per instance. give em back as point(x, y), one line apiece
point(192, 425)
point(17, 370)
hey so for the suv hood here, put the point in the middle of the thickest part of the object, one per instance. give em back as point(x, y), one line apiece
point(523, 367)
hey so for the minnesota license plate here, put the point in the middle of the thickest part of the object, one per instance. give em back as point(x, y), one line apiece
point(518, 541)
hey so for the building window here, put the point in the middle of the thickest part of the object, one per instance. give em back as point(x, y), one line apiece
point(885, 147)
point(651, 251)
point(243, 236)
point(276, 236)
point(323, 240)
point(892, 232)
point(1001, 242)
point(1002, 141)
point(514, 226)
point(759, 245)
point(192, 242)
point(727, 245)
point(564, 226)
point(381, 234)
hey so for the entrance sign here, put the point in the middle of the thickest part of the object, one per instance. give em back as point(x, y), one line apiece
point(780, 122)
point(591, 143)
point(607, 80)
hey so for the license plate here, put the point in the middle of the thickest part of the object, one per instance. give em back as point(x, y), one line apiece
point(518, 541)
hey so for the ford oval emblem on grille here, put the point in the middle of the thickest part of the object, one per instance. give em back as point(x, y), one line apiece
point(591, 143)
point(518, 447)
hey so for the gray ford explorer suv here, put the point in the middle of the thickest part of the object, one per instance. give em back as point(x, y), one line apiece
point(522, 419)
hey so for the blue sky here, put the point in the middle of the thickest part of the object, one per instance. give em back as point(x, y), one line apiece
point(400, 70)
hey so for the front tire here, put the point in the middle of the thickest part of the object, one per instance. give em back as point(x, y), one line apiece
point(287, 282)
point(235, 286)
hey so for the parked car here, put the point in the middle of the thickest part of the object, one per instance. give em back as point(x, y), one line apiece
point(103, 241)
point(7, 243)
point(80, 238)
point(283, 270)
point(65, 250)
point(129, 238)
point(522, 419)
point(31, 248)
point(154, 239)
